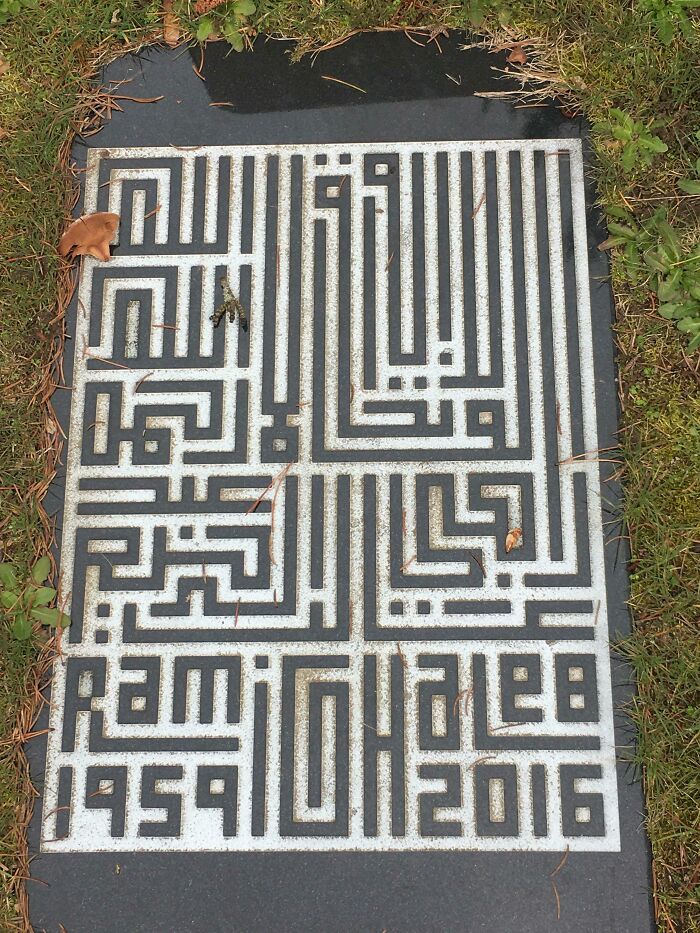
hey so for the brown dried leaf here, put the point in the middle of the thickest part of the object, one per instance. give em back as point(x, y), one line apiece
point(171, 25)
point(517, 55)
point(206, 6)
point(4, 66)
point(90, 236)
point(438, 31)
point(513, 539)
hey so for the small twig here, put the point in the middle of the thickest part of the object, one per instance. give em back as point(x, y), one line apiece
point(103, 359)
point(136, 100)
point(570, 460)
point(57, 810)
point(467, 694)
point(562, 863)
point(404, 662)
point(198, 71)
point(480, 761)
point(553, 882)
point(407, 33)
point(478, 561)
point(584, 456)
point(142, 380)
point(260, 498)
point(346, 83)
point(269, 486)
point(556, 895)
point(35, 880)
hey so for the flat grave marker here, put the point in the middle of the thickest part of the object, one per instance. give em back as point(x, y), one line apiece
point(341, 593)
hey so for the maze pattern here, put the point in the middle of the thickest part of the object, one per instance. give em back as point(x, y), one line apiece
point(296, 624)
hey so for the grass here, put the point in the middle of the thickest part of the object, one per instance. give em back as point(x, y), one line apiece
point(597, 55)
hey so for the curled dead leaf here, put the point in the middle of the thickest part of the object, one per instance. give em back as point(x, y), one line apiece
point(171, 25)
point(517, 55)
point(90, 236)
point(570, 112)
point(513, 539)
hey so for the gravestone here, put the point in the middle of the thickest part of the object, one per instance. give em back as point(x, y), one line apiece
point(341, 593)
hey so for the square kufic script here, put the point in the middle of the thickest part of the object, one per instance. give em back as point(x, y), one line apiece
point(296, 622)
